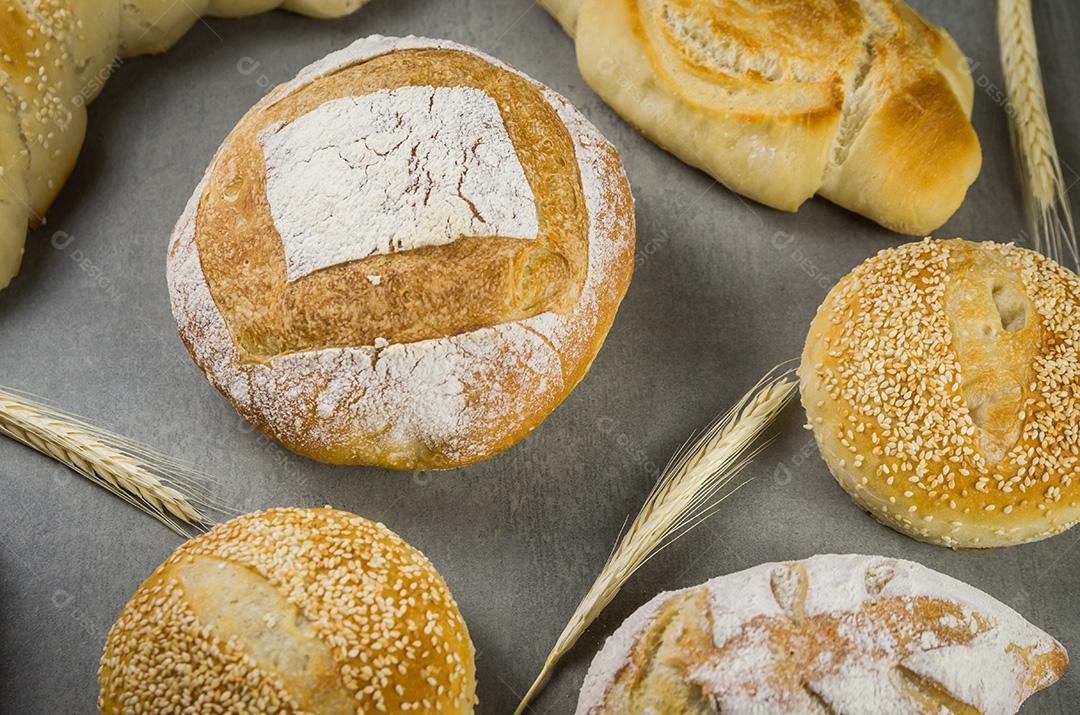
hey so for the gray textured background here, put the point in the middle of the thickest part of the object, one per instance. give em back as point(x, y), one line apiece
point(723, 290)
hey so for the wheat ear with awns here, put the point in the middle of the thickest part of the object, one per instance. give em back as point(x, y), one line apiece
point(689, 491)
point(1045, 192)
point(152, 482)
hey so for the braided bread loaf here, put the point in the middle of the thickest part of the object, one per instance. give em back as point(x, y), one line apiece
point(55, 55)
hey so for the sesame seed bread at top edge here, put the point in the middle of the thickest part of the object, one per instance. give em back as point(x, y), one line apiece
point(405, 257)
point(832, 634)
point(290, 611)
point(942, 382)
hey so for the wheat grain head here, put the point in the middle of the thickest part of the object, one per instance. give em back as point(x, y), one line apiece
point(688, 491)
point(1046, 200)
point(169, 491)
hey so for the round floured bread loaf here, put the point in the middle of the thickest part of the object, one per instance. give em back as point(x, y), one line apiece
point(407, 256)
point(290, 611)
point(864, 103)
point(831, 635)
point(942, 381)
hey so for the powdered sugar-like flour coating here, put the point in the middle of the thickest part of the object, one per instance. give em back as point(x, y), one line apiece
point(986, 672)
point(433, 392)
point(342, 183)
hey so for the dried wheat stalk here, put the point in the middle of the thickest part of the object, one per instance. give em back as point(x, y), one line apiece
point(688, 492)
point(1045, 193)
point(159, 486)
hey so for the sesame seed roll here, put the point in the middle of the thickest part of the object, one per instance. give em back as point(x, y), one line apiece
point(942, 382)
point(290, 611)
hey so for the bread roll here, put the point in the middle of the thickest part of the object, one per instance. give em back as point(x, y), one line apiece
point(862, 102)
point(55, 56)
point(290, 611)
point(831, 635)
point(405, 257)
point(942, 382)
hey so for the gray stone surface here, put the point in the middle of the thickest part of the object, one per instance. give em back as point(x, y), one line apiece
point(724, 289)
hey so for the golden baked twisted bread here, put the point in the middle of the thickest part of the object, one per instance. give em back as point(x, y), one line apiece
point(860, 101)
point(55, 56)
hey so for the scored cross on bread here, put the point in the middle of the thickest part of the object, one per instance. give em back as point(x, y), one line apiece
point(448, 283)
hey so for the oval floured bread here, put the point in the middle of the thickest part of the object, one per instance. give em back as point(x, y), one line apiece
point(830, 635)
point(407, 256)
point(862, 102)
point(942, 382)
point(290, 611)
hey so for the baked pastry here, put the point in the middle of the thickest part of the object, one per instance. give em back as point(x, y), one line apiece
point(836, 635)
point(862, 102)
point(289, 611)
point(55, 56)
point(942, 382)
point(406, 257)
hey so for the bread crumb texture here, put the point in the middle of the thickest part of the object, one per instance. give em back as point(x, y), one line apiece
point(291, 611)
point(942, 380)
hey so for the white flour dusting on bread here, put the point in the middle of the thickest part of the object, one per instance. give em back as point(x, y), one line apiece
point(898, 632)
point(439, 394)
point(351, 163)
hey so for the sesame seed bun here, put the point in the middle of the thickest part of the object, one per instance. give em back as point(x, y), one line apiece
point(290, 610)
point(942, 382)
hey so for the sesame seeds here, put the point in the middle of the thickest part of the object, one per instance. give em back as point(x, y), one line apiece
point(156, 644)
point(378, 605)
point(29, 59)
point(884, 354)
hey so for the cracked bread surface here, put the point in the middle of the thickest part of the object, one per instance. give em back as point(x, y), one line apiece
point(443, 342)
point(829, 635)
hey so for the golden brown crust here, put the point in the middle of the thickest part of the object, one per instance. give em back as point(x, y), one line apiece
point(942, 382)
point(424, 293)
point(290, 610)
point(780, 101)
point(455, 351)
